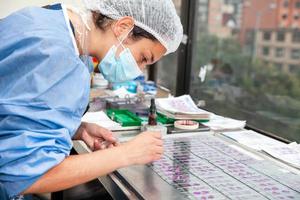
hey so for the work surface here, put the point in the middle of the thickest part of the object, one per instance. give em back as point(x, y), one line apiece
point(204, 166)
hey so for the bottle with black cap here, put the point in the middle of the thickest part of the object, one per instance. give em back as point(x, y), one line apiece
point(152, 121)
point(152, 125)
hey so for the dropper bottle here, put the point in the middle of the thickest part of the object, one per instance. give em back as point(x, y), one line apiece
point(152, 121)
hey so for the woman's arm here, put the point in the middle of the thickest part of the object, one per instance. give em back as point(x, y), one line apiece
point(79, 169)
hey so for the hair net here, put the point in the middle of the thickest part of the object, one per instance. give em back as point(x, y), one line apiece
point(157, 17)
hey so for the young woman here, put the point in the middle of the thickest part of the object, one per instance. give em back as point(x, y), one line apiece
point(44, 88)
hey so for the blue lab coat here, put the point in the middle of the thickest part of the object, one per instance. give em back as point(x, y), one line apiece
point(44, 90)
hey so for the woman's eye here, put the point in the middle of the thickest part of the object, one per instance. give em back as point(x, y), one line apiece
point(145, 60)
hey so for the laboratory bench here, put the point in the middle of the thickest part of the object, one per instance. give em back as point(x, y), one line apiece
point(201, 165)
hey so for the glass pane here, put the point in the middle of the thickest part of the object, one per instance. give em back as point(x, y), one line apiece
point(250, 50)
point(167, 67)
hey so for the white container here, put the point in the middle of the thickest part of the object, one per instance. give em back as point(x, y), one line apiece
point(157, 128)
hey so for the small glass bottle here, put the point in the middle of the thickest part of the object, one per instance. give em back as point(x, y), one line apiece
point(152, 121)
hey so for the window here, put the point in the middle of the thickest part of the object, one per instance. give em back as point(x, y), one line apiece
point(295, 54)
point(296, 36)
point(265, 51)
point(245, 84)
point(167, 72)
point(294, 69)
point(281, 36)
point(167, 67)
point(278, 66)
point(279, 52)
point(297, 4)
point(267, 36)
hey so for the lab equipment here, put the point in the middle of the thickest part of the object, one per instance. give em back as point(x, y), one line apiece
point(154, 16)
point(137, 86)
point(202, 128)
point(182, 107)
point(157, 128)
point(152, 125)
point(220, 123)
point(165, 120)
point(121, 103)
point(124, 117)
point(206, 167)
point(152, 121)
point(99, 81)
point(186, 125)
point(135, 104)
point(130, 86)
point(100, 118)
point(44, 90)
point(148, 87)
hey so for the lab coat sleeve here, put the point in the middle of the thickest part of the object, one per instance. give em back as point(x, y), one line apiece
point(44, 90)
point(26, 153)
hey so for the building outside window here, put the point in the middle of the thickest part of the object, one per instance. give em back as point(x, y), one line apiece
point(278, 66)
point(249, 75)
point(280, 36)
point(286, 3)
point(297, 4)
point(267, 36)
point(262, 88)
point(296, 36)
point(294, 69)
point(167, 68)
point(266, 51)
point(279, 52)
point(295, 54)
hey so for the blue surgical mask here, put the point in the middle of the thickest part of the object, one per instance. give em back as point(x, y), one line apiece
point(119, 69)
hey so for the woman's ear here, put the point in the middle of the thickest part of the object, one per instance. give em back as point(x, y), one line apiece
point(122, 27)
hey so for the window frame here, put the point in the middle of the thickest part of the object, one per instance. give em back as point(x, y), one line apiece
point(185, 58)
point(297, 4)
point(292, 54)
point(280, 52)
point(296, 36)
point(280, 36)
point(188, 15)
point(267, 35)
point(265, 49)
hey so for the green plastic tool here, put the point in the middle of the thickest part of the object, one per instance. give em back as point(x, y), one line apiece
point(124, 117)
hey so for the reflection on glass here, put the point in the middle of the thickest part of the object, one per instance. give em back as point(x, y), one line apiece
point(167, 67)
point(252, 56)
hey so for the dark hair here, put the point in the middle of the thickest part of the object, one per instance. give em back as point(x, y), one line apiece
point(102, 22)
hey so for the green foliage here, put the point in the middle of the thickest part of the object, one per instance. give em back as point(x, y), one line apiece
point(263, 94)
point(254, 77)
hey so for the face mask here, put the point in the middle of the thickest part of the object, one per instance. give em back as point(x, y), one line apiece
point(121, 69)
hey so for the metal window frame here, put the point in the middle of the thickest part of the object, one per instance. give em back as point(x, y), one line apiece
point(185, 51)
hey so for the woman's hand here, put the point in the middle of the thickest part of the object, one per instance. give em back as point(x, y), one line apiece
point(95, 137)
point(145, 148)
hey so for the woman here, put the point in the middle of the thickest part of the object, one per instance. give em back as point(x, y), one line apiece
point(44, 88)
